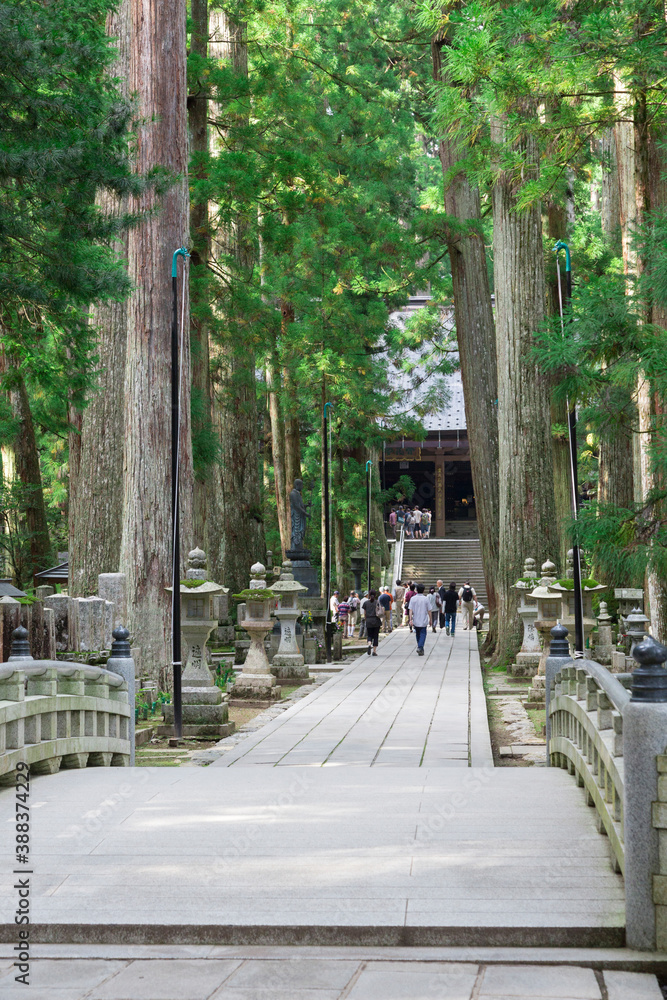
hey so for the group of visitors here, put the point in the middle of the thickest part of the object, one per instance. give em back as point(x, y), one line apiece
point(409, 606)
point(417, 522)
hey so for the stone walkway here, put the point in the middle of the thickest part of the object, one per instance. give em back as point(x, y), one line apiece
point(401, 872)
point(394, 709)
point(318, 974)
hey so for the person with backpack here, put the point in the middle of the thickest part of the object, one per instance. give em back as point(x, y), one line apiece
point(442, 590)
point(409, 532)
point(467, 597)
point(450, 602)
point(373, 619)
point(400, 518)
point(417, 523)
point(409, 594)
point(426, 522)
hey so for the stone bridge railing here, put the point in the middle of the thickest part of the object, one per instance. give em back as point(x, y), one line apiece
point(55, 714)
point(610, 732)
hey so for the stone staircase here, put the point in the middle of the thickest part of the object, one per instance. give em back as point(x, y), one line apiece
point(431, 559)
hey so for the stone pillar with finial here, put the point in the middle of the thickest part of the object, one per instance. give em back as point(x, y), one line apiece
point(256, 681)
point(121, 662)
point(644, 739)
point(527, 660)
point(559, 657)
point(288, 663)
point(548, 610)
point(604, 644)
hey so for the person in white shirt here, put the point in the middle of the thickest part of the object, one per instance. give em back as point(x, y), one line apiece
point(478, 615)
point(333, 605)
point(419, 617)
point(467, 597)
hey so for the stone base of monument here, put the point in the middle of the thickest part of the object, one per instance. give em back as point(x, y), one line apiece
point(303, 572)
point(538, 692)
point(256, 687)
point(526, 665)
point(205, 712)
point(291, 671)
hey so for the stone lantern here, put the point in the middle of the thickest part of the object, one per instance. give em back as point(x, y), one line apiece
point(256, 681)
point(628, 599)
point(548, 610)
point(635, 624)
point(567, 610)
point(287, 659)
point(528, 658)
point(205, 709)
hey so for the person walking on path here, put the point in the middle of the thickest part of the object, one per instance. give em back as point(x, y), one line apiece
point(450, 603)
point(419, 617)
point(333, 606)
point(409, 594)
point(343, 613)
point(417, 522)
point(392, 520)
point(409, 527)
point(426, 523)
point(442, 590)
point(362, 617)
point(353, 602)
point(434, 602)
point(373, 623)
point(384, 600)
point(467, 597)
point(399, 595)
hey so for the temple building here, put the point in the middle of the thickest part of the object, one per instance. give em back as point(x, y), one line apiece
point(439, 466)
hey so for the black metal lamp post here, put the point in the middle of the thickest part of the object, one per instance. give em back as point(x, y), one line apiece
point(328, 624)
point(574, 479)
point(369, 468)
point(175, 463)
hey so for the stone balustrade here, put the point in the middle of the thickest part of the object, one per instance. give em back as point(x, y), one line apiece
point(610, 732)
point(55, 714)
point(586, 737)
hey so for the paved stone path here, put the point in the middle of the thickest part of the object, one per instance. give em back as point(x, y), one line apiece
point(367, 814)
point(317, 974)
point(394, 709)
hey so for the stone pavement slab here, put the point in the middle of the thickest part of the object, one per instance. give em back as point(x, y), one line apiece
point(315, 974)
point(393, 709)
point(631, 986)
point(529, 981)
point(313, 855)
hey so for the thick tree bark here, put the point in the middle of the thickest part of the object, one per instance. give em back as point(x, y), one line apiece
point(527, 506)
point(278, 452)
point(236, 526)
point(290, 409)
point(556, 227)
point(157, 76)
point(97, 439)
point(28, 474)
point(638, 158)
point(199, 233)
point(477, 345)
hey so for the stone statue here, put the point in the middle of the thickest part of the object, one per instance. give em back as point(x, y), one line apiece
point(299, 515)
